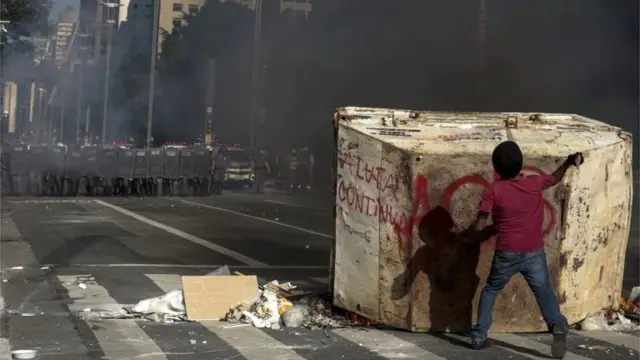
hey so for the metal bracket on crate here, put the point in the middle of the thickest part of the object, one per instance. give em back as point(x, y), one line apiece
point(511, 122)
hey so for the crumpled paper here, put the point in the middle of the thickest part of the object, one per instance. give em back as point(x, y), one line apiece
point(264, 312)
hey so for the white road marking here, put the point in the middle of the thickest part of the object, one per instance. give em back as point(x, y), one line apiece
point(385, 345)
point(324, 280)
point(296, 205)
point(112, 333)
point(47, 201)
point(166, 282)
point(543, 349)
point(194, 239)
point(179, 266)
point(626, 340)
point(257, 218)
point(252, 343)
point(88, 294)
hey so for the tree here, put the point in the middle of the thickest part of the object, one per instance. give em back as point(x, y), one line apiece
point(220, 31)
point(24, 17)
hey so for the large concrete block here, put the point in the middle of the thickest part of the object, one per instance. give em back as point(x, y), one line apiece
point(404, 178)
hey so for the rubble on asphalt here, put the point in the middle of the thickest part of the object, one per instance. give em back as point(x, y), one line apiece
point(277, 305)
point(626, 318)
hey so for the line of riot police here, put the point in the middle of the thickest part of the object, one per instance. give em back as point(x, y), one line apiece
point(105, 171)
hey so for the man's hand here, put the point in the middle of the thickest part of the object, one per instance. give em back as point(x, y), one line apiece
point(575, 159)
point(472, 235)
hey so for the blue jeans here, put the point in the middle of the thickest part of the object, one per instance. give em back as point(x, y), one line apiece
point(533, 267)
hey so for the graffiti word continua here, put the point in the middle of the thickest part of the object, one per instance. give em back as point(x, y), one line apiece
point(369, 205)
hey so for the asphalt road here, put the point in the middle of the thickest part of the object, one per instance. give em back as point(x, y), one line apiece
point(127, 249)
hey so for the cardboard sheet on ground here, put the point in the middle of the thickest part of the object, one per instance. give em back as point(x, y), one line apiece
point(211, 297)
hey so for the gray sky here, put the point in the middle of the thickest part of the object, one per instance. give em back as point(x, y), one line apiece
point(59, 5)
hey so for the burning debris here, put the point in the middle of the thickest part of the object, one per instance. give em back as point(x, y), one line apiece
point(626, 318)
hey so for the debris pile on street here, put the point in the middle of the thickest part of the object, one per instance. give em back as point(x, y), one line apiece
point(626, 318)
point(252, 301)
point(275, 307)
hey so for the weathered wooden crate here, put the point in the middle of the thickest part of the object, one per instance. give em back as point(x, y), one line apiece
point(404, 178)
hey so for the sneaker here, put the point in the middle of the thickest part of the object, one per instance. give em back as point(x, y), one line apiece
point(559, 346)
point(479, 345)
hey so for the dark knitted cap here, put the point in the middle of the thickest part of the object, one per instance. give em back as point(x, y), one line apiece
point(507, 159)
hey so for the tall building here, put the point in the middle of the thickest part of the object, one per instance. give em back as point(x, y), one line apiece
point(296, 7)
point(172, 15)
point(9, 107)
point(136, 30)
point(65, 27)
point(302, 7)
point(42, 48)
point(95, 19)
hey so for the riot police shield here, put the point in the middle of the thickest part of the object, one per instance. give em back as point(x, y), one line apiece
point(126, 163)
point(91, 164)
point(108, 161)
point(38, 158)
point(74, 167)
point(156, 163)
point(171, 164)
point(201, 162)
point(37, 163)
point(142, 164)
point(186, 163)
point(19, 160)
point(56, 160)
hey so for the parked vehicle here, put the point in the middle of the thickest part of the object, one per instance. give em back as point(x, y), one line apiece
point(239, 169)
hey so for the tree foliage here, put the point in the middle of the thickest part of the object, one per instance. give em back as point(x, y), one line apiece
point(25, 17)
point(220, 31)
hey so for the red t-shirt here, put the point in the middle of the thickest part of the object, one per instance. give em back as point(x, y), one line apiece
point(517, 210)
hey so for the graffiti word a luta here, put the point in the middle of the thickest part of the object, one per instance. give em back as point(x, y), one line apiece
point(376, 175)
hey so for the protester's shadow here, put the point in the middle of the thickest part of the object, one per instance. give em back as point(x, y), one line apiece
point(450, 266)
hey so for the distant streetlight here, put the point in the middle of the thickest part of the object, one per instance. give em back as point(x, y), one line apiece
point(255, 74)
point(152, 75)
point(110, 22)
point(82, 49)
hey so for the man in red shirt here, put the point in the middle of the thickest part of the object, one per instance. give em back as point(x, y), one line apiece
point(516, 206)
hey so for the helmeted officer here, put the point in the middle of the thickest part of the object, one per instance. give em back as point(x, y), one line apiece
point(261, 170)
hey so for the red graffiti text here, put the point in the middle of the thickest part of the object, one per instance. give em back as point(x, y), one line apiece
point(375, 175)
point(369, 205)
point(421, 199)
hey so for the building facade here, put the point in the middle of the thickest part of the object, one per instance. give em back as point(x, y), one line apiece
point(302, 7)
point(297, 7)
point(65, 27)
point(172, 13)
point(96, 17)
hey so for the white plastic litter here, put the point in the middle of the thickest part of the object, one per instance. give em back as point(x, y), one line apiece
point(24, 354)
point(171, 303)
point(295, 316)
point(264, 312)
point(635, 295)
point(598, 322)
